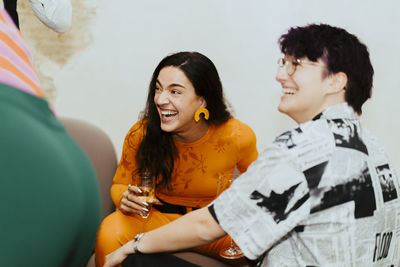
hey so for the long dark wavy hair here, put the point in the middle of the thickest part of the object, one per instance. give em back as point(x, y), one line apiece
point(157, 151)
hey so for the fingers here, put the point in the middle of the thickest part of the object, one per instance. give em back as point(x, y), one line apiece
point(132, 207)
point(131, 204)
point(132, 195)
point(134, 189)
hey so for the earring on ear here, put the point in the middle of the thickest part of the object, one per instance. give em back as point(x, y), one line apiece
point(199, 111)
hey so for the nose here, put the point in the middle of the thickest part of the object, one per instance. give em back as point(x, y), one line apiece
point(161, 97)
point(281, 75)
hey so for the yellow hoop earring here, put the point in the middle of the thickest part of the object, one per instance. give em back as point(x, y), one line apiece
point(199, 111)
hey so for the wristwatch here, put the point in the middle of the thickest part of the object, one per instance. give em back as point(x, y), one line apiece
point(136, 242)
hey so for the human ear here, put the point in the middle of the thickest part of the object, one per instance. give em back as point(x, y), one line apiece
point(338, 82)
point(203, 102)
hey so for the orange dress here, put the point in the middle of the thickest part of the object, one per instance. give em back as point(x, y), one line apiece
point(193, 182)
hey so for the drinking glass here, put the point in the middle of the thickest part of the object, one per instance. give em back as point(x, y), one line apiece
point(233, 251)
point(146, 185)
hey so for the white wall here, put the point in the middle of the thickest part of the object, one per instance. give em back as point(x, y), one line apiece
point(107, 83)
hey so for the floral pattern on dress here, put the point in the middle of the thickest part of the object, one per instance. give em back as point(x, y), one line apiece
point(221, 146)
point(198, 165)
point(196, 161)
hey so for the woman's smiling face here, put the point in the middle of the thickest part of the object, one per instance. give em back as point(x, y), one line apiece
point(176, 101)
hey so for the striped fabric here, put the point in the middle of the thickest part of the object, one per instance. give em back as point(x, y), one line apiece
point(16, 67)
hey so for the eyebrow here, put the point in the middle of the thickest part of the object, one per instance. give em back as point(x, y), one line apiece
point(172, 84)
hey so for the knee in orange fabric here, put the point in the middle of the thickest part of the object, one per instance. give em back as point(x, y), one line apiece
point(115, 230)
point(118, 228)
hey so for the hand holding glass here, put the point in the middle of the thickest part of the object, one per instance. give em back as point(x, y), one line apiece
point(146, 186)
point(233, 251)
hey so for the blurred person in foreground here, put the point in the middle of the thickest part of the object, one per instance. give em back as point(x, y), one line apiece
point(49, 195)
point(324, 193)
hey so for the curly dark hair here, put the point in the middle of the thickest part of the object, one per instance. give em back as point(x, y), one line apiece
point(157, 151)
point(340, 51)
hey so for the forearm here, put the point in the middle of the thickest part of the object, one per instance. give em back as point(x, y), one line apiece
point(194, 229)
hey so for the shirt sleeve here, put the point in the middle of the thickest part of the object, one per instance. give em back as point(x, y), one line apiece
point(247, 147)
point(55, 14)
point(212, 212)
point(265, 203)
point(127, 166)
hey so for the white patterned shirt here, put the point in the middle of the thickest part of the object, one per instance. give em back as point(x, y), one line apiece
point(323, 194)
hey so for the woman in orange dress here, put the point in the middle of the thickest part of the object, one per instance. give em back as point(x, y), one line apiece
point(186, 138)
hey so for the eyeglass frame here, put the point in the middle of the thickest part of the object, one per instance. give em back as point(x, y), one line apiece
point(291, 65)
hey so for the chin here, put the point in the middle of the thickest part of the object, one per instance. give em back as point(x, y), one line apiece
point(167, 128)
point(287, 111)
point(282, 109)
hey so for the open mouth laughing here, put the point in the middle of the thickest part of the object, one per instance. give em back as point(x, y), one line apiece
point(289, 91)
point(168, 115)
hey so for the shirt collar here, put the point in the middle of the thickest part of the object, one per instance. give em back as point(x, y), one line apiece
point(342, 110)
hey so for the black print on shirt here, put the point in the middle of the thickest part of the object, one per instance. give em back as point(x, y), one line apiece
point(359, 189)
point(387, 184)
point(382, 245)
point(346, 135)
point(276, 204)
point(287, 138)
point(314, 174)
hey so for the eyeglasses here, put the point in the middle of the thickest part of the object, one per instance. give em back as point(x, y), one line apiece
point(291, 64)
